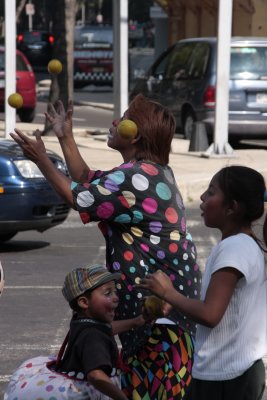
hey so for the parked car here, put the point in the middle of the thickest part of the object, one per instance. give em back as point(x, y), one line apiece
point(27, 201)
point(183, 78)
point(37, 46)
point(93, 55)
point(25, 85)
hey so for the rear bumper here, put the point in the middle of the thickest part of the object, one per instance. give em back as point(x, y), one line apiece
point(245, 128)
point(93, 77)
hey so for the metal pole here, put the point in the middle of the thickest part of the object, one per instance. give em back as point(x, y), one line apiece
point(221, 145)
point(30, 18)
point(120, 56)
point(10, 63)
point(83, 14)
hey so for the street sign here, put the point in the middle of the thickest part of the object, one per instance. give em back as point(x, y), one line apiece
point(29, 9)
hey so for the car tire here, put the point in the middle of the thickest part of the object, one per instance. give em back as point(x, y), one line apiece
point(7, 236)
point(188, 123)
point(26, 114)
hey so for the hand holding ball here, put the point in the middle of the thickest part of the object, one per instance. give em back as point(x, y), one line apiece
point(154, 307)
point(127, 129)
point(15, 100)
point(54, 67)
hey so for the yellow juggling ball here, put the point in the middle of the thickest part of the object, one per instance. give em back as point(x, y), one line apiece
point(15, 100)
point(54, 66)
point(127, 129)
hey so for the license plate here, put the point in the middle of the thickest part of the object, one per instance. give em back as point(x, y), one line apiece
point(98, 69)
point(2, 83)
point(261, 98)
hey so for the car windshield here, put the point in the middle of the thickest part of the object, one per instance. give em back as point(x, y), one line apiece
point(91, 37)
point(21, 66)
point(35, 36)
point(248, 63)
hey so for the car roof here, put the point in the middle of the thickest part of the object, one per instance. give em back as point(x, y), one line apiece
point(8, 148)
point(35, 30)
point(95, 27)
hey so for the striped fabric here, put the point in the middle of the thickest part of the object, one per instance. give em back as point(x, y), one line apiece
point(79, 280)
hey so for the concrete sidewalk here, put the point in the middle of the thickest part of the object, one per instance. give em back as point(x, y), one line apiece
point(192, 171)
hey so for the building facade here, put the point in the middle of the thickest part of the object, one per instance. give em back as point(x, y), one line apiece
point(193, 18)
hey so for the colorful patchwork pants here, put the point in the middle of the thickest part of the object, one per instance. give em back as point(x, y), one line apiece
point(162, 369)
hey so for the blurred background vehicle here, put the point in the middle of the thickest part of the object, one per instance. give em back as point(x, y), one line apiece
point(27, 201)
point(25, 85)
point(93, 55)
point(141, 34)
point(183, 78)
point(140, 60)
point(37, 45)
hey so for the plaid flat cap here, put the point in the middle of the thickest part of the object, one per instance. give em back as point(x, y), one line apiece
point(81, 279)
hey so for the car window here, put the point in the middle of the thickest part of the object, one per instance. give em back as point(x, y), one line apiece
point(198, 62)
point(178, 62)
point(158, 70)
point(90, 37)
point(31, 37)
point(21, 66)
point(248, 62)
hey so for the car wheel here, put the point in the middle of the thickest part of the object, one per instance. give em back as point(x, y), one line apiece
point(26, 114)
point(7, 236)
point(188, 123)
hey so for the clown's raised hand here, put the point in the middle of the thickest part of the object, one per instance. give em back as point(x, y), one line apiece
point(60, 119)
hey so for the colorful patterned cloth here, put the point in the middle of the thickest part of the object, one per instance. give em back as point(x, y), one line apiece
point(33, 380)
point(162, 370)
point(142, 218)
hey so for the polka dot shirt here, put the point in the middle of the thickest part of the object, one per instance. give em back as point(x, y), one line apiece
point(142, 217)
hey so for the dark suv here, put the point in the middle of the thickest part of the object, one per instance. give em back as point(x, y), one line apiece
point(37, 46)
point(183, 78)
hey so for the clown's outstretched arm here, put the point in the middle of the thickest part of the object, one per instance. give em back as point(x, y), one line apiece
point(35, 150)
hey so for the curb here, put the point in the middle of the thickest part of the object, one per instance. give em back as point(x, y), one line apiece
point(104, 106)
point(43, 88)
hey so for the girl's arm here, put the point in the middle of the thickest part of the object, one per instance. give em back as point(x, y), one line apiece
point(208, 312)
point(61, 123)
point(104, 384)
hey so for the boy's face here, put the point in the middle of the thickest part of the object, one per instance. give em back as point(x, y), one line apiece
point(102, 302)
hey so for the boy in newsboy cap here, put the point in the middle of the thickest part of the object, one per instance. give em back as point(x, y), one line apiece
point(86, 364)
point(92, 350)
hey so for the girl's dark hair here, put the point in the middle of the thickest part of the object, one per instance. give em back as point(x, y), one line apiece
point(156, 127)
point(246, 186)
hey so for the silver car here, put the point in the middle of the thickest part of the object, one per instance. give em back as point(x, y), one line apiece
point(184, 79)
